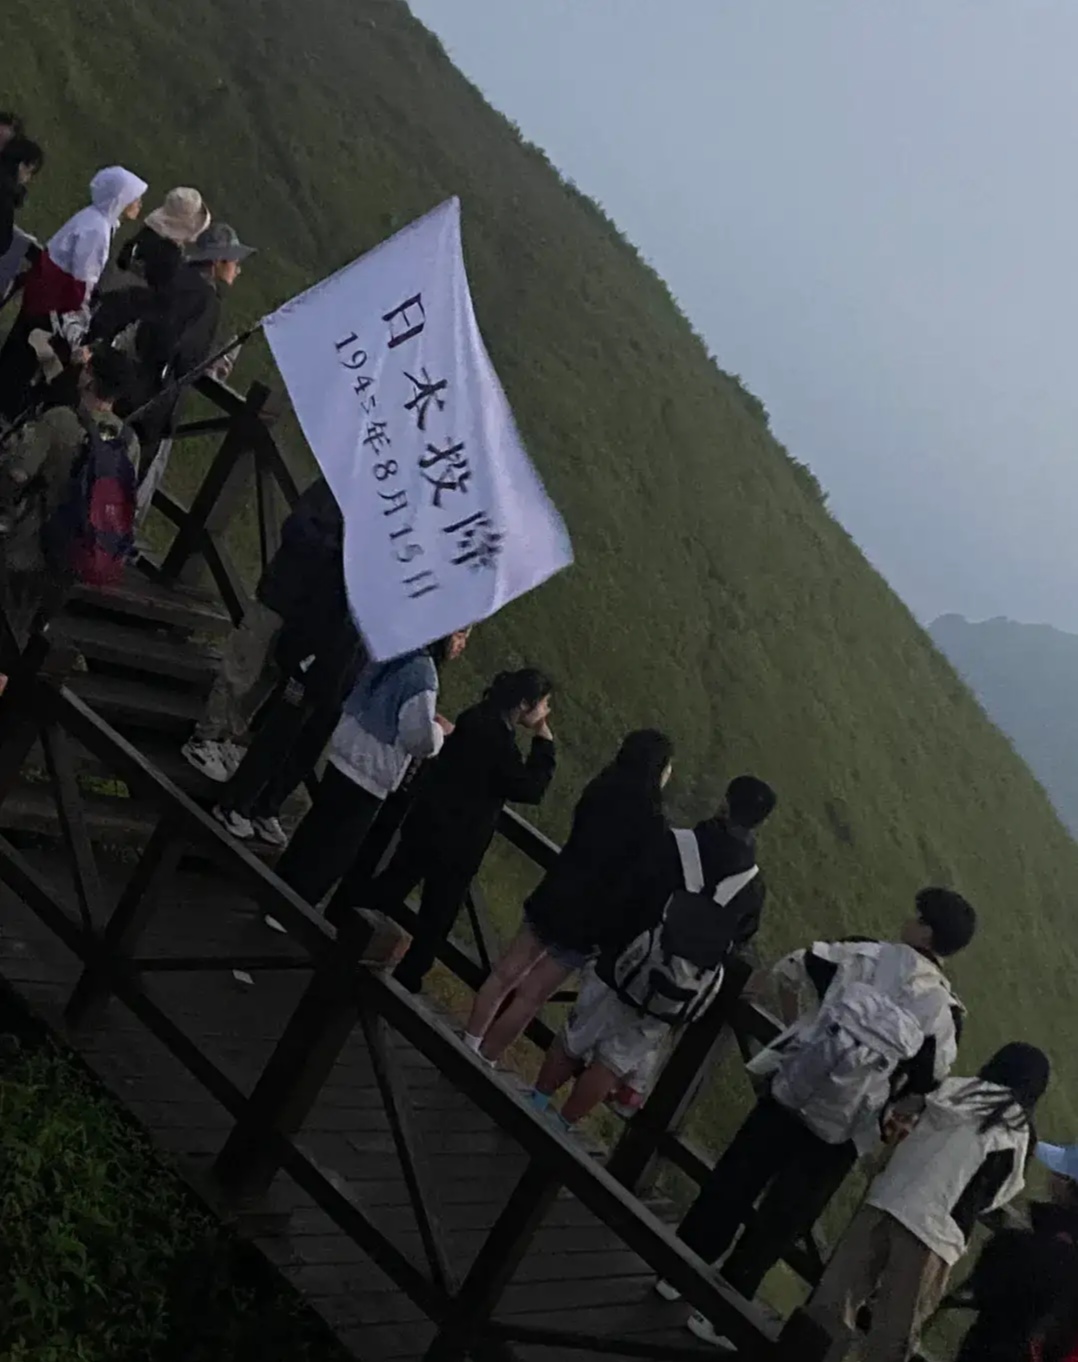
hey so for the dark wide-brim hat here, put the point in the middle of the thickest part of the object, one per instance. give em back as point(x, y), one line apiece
point(217, 242)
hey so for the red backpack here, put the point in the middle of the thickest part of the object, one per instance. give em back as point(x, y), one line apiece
point(92, 531)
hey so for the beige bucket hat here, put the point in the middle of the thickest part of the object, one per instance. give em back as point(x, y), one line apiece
point(181, 218)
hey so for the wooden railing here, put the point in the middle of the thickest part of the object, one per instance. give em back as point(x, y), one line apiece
point(656, 1133)
point(342, 993)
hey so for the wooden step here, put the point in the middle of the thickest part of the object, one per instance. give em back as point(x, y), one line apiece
point(111, 820)
point(158, 652)
point(128, 702)
point(117, 821)
point(138, 597)
point(162, 749)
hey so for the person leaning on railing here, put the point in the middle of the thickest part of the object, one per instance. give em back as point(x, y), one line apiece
point(614, 843)
point(825, 1096)
point(452, 823)
point(390, 720)
point(663, 966)
point(174, 321)
point(965, 1158)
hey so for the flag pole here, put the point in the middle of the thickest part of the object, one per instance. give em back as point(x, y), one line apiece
point(194, 374)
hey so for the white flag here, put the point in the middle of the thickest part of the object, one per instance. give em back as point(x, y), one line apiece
point(445, 518)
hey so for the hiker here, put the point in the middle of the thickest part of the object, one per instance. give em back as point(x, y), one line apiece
point(668, 967)
point(177, 321)
point(156, 252)
point(36, 472)
point(966, 1156)
point(293, 732)
point(20, 161)
point(828, 1088)
point(216, 256)
point(58, 288)
point(390, 719)
point(10, 126)
point(453, 820)
point(303, 579)
point(300, 612)
point(1024, 1274)
point(617, 831)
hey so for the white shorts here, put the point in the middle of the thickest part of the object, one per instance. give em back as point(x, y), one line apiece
point(603, 1030)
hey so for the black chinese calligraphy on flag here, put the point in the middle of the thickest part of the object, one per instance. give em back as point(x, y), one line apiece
point(445, 518)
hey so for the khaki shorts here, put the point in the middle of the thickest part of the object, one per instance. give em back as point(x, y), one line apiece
point(603, 1030)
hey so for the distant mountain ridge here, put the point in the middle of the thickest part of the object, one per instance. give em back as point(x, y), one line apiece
point(1026, 677)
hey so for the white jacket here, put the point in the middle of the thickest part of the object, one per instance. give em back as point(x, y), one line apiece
point(379, 767)
point(930, 1171)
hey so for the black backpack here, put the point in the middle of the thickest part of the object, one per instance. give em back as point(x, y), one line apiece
point(673, 970)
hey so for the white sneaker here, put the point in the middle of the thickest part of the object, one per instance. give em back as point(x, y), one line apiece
point(667, 1290)
point(706, 1332)
point(274, 925)
point(269, 830)
point(208, 757)
point(235, 823)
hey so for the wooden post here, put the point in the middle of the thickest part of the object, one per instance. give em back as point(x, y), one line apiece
point(678, 1083)
point(136, 905)
point(18, 720)
point(221, 492)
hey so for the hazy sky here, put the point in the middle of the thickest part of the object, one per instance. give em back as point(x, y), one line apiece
point(871, 212)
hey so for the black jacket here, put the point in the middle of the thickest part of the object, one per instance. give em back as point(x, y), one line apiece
point(12, 195)
point(618, 832)
point(304, 580)
point(177, 325)
point(1021, 1277)
point(724, 851)
point(479, 769)
point(304, 583)
point(155, 257)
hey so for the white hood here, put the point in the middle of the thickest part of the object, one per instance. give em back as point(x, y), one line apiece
point(114, 189)
point(81, 247)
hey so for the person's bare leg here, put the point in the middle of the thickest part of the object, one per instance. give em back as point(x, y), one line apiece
point(558, 1067)
point(593, 1086)
point(523, 952)
point(531, 993)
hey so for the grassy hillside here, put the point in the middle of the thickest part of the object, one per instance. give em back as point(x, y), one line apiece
point(713, 592)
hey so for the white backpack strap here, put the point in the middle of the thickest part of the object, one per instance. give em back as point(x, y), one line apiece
point(688, 849)
point(728, 889)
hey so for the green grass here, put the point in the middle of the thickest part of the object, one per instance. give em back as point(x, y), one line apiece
point(713, 593)
point(107, 1256)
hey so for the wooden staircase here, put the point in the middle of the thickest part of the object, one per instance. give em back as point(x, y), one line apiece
point(143, 657)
